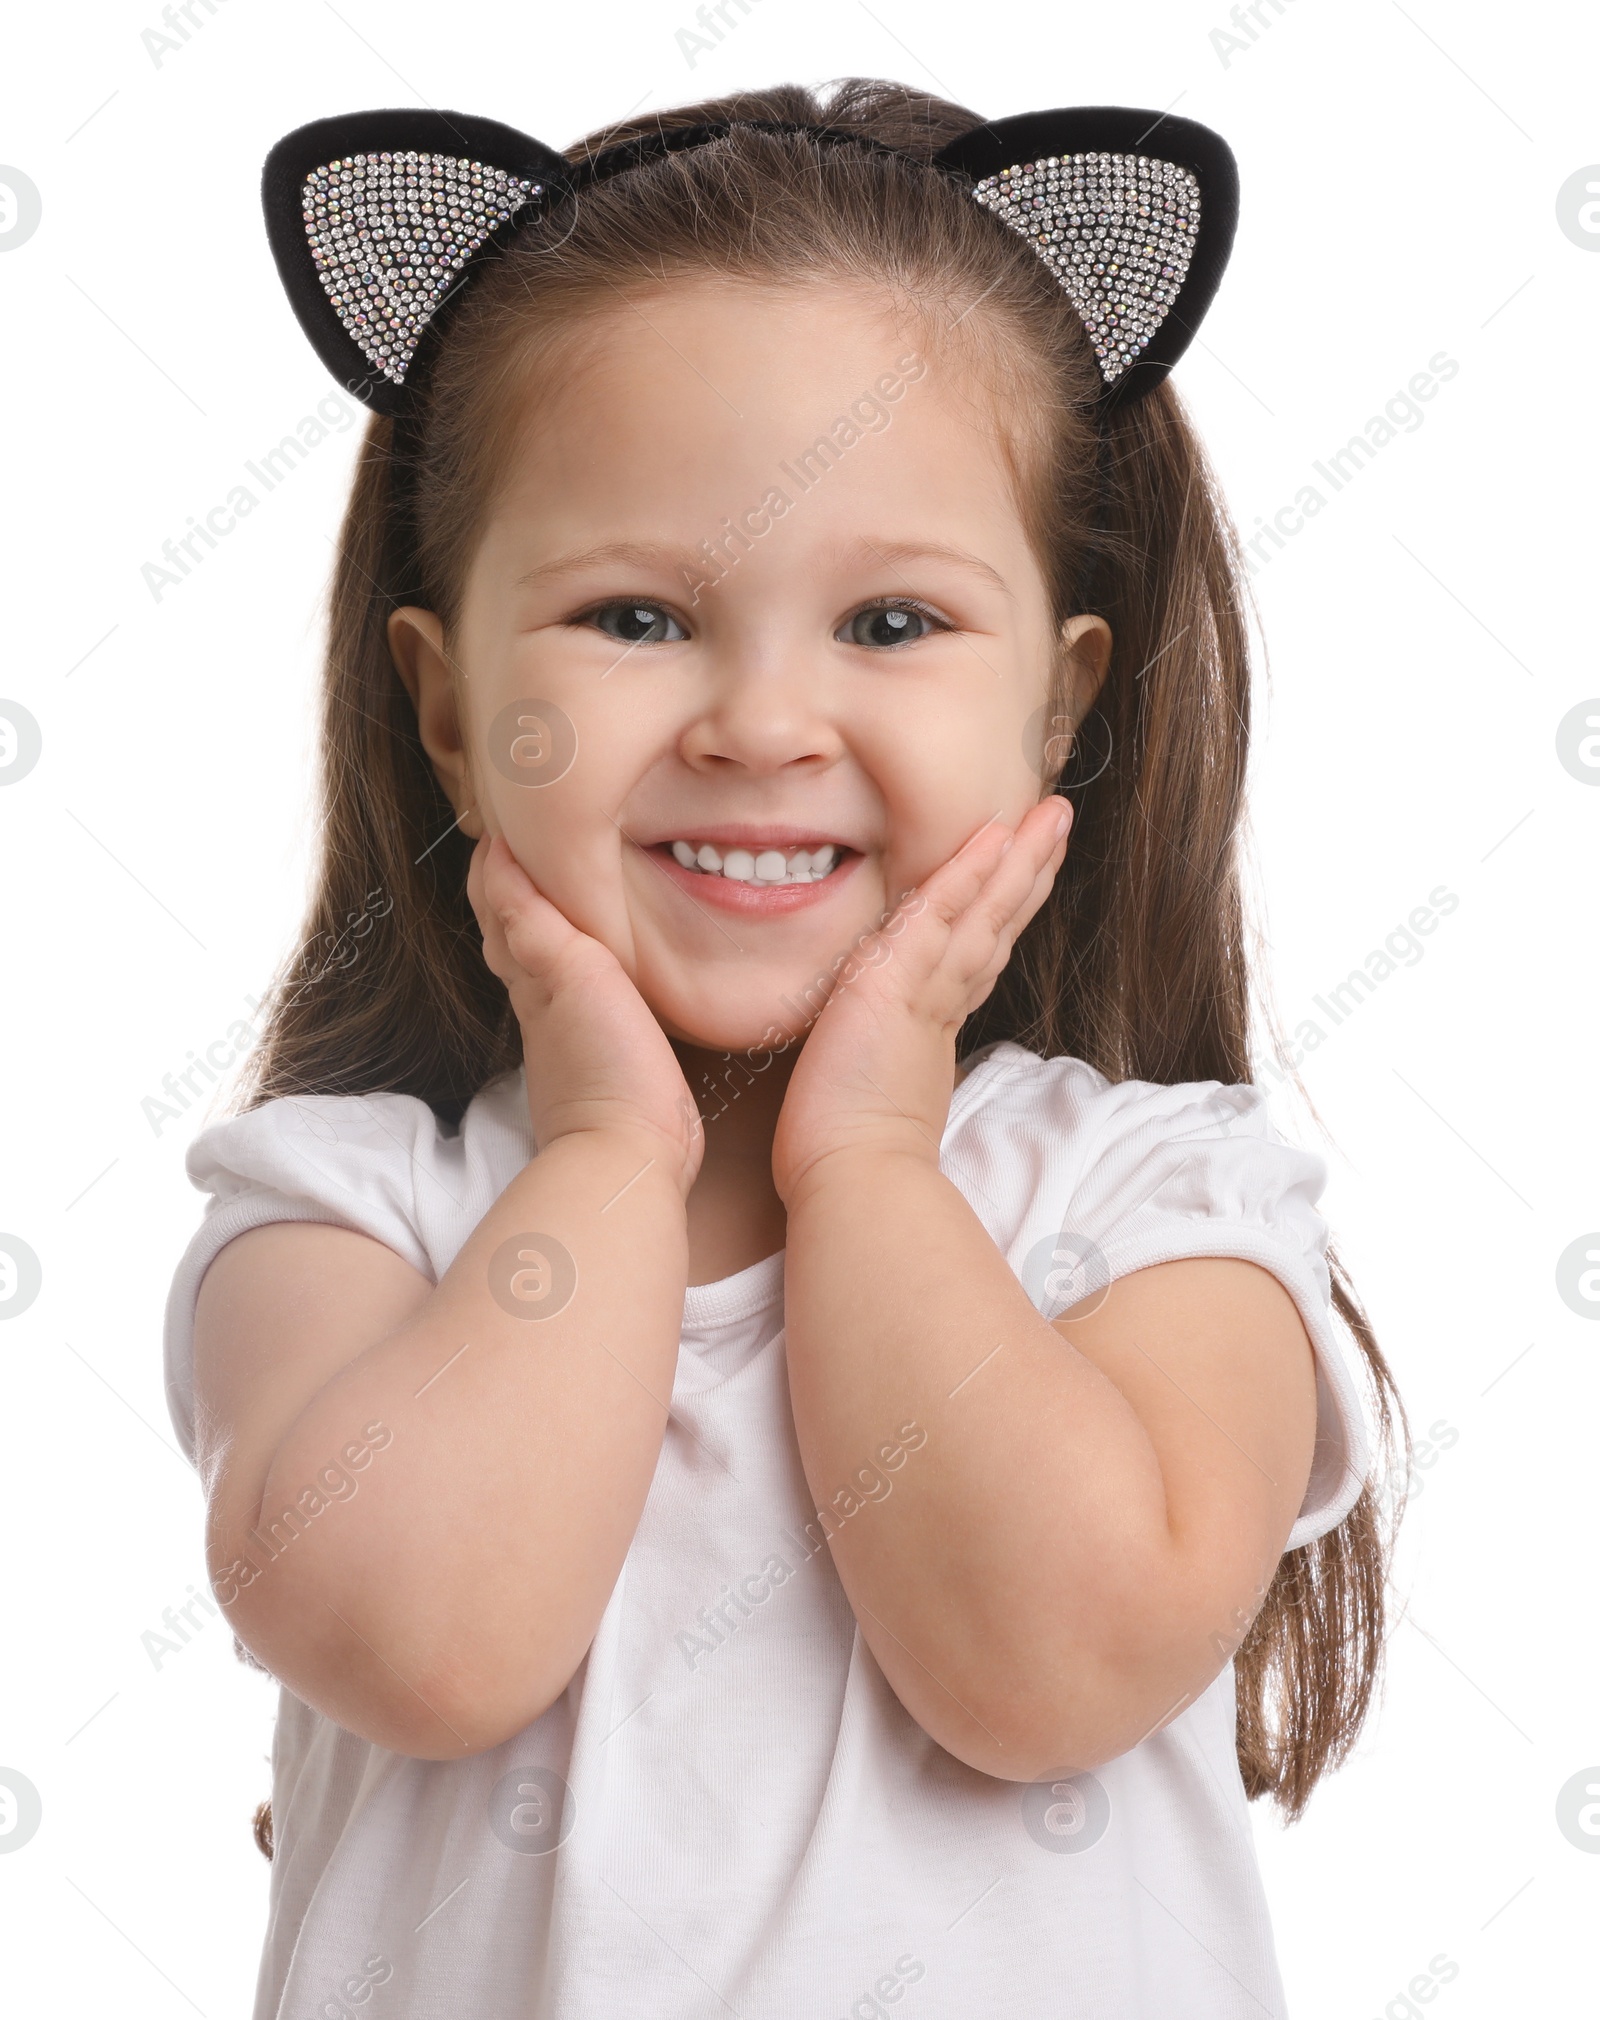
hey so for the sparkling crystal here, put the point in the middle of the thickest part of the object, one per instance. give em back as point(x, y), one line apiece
point(1117, 230)
point(390, 232)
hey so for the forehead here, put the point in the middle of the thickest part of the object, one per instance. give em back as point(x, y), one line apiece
point(688, 405)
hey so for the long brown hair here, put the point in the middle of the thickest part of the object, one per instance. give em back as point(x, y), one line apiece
point(1139, 963)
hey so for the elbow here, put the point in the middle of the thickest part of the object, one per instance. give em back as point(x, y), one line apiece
point(444, 1715)
point(457, 1728)
point(1047, 1716)
point(426, 1706)
point(1011, 1743)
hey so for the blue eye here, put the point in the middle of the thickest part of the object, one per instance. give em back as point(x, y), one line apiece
point(637, 623)
point(887, 624)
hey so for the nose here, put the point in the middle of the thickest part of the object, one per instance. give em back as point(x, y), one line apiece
point(763, 715)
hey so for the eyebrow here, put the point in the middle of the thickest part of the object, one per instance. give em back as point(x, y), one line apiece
point(629, 553)
point(639, 554)
point(926, 550)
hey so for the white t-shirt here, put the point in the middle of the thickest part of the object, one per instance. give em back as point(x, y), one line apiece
point(729, 1811)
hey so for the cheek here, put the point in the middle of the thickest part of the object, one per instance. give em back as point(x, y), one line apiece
point(941, 781)
point(547, 776)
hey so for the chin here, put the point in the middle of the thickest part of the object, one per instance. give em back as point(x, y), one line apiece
point(773, 1031)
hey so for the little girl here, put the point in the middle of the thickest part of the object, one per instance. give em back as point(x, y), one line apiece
point(762, 1378)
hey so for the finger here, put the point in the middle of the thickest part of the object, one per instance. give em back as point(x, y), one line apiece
point(982, 938)
point(536, 932)
point(475, 877)
point(951, 888)
point(1038, 848)
point(494, 939)
point(981, 981)
point(487, 896)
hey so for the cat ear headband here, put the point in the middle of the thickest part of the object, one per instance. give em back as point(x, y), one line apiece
point(379, 220)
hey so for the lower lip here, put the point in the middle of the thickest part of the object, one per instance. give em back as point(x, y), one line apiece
point(752, 901)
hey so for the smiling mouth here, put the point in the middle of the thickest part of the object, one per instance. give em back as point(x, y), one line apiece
point(763, 869)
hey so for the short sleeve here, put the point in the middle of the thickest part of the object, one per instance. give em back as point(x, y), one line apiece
point(374, 1162)
point(1149, 1173)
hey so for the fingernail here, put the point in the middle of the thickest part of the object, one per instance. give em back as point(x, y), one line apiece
point(1006, 844)
point(1063, 820)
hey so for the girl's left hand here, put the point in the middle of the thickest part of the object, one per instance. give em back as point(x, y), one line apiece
point(878, 1065)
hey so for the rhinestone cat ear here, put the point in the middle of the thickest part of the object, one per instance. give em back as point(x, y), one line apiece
point(1133, 212)
point(375, 218)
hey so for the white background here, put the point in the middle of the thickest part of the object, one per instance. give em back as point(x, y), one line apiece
point(1428, 632)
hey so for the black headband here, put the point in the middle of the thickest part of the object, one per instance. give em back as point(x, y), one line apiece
point(377, 220)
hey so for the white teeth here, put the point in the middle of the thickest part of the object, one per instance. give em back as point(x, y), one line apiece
point(771, 866)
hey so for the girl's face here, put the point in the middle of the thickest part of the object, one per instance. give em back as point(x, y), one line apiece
point(749, 647)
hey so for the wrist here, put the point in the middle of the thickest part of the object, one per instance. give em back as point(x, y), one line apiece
point(624, 1153)
point(865, 1163)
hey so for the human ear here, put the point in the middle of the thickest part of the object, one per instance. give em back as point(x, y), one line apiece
point(416, 645)
point(1086, 650)
point(1085, 657)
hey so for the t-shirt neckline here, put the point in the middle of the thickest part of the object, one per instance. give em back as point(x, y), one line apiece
point(733, 1299)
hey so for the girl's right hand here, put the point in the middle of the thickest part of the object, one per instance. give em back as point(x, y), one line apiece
point(596, 1058)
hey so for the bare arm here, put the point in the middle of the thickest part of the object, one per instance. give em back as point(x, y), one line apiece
point(1052, 1536)
point(419, 1499)
point(1070, 1555)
